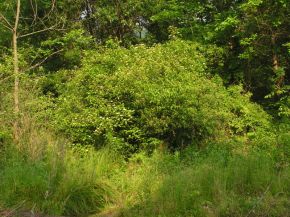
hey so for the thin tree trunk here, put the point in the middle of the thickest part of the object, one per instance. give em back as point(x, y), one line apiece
point(274, 57)
point(275, 62)
point(16, 76)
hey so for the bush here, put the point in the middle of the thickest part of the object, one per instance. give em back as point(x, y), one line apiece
point(141, 97)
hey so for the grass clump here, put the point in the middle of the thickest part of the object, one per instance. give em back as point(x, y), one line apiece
point(72, 182)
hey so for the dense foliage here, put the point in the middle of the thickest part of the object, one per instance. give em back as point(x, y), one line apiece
point(141, 97)
point(145, 108)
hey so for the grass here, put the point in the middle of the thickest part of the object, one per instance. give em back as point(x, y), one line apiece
point(78, 181)
point(72, 183)
point(247, 185)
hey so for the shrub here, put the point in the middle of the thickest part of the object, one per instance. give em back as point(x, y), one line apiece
point(142, 97)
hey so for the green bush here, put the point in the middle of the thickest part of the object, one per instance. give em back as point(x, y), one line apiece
point(141, 97)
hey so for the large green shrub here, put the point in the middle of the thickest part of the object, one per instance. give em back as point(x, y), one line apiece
point(140, 97)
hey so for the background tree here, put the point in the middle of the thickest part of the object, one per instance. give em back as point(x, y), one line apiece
point(22, 21)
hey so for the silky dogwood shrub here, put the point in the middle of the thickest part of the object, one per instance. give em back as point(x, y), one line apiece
point(162, 93)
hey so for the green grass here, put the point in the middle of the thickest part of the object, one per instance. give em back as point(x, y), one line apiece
point(81, 181)
point(70, 183)
point(212, 185)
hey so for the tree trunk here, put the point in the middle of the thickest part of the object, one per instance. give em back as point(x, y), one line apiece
point(274, 57)
point(275, 62)
point(16, 76)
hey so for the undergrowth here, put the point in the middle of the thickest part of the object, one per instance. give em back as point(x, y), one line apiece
point(217, 183)
point(70, 182)
point(79, 181)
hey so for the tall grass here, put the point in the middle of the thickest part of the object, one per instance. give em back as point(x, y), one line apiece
point(47, 176)
point(68, 182)
point(211, 185)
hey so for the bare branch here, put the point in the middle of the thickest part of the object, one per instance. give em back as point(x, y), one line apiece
point(43, 61)
point(7, 25)
point(34, 11)
point(36, 32)
point(51, 9)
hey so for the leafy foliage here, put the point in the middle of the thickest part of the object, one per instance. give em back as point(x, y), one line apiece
point(169, 87)
point(148, 94)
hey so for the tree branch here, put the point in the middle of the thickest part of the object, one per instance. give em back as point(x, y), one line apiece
point(42, 61)
point(6, 21)
point(39, 31)
point(34, 11)
point(53, 2)
point(36, 32)
point(7, 25)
